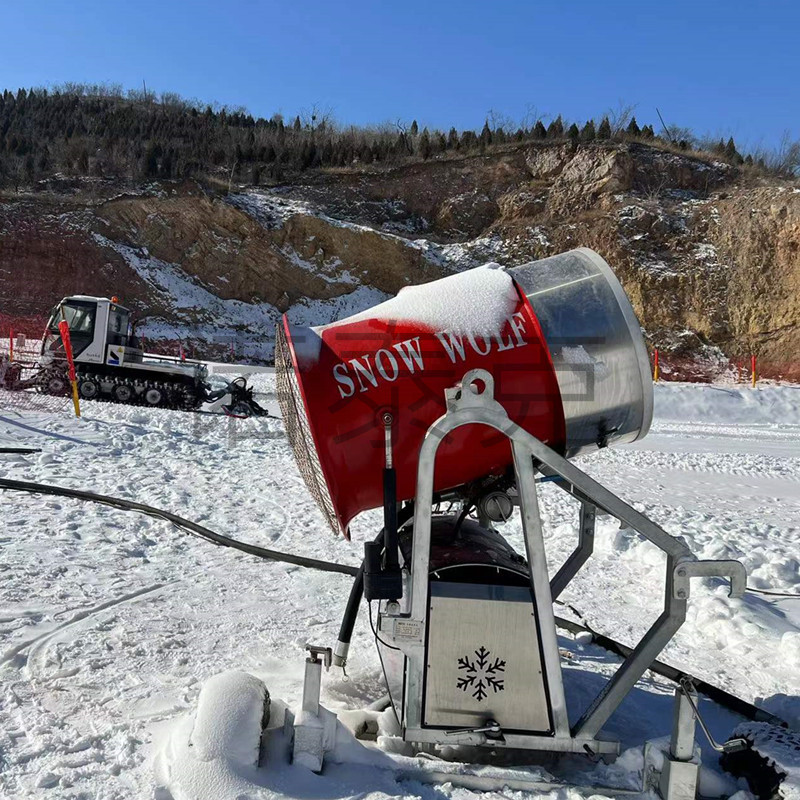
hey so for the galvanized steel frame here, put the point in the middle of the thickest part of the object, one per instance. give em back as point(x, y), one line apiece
point(473, 403)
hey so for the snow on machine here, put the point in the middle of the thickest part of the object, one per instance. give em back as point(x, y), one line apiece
point(468, 393)
point(111, 364)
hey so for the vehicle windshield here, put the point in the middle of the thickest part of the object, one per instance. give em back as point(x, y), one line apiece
point(80, 318)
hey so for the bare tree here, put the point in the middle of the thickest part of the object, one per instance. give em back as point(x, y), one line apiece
point(620, 116)
point(317, 117)
point(785, 158)
point(531, 116)
point(497, 119)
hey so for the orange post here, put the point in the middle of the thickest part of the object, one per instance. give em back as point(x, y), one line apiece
point(63, 329)
point(655, 366)
point(753, 370)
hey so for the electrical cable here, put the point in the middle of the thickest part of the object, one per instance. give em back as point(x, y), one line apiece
point(770, 593)
point(383, 666)
point(180, 523)
point(720, 696)
point(715, 693)
point(375, 632)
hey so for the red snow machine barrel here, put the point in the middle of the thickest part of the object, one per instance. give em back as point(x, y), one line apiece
point(558, 335)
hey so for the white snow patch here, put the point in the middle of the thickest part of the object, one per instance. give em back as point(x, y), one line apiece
point(110, 622)
point(476, 302)
point(693, 402)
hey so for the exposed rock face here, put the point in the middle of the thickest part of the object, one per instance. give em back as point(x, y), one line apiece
point(758, 235)
point(467, 214)
point(708, 259)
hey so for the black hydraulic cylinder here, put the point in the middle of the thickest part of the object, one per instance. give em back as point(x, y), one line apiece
point(392, 560)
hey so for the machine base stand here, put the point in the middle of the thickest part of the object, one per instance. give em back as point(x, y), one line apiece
point(671, 778)
point(314, 726)
point(314, 735)
point(678, 779)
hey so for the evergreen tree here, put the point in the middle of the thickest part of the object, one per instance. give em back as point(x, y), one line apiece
point(149, 167)
point(414, 129)
point(539, 131)
point(167, 164)
point(604, 129)
point(730, 150)
point(452, 139)
point(44, 160)
point(297, 125)
point(633, 128)
point(587, 133)
point(648, 132)
point(30, 168)
point(555, 130)
point(572, 134)
point(485, 138)
point(424, 144)
point(468, 140)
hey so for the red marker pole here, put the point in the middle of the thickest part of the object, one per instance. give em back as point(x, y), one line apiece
point(655, 366)
point(11, 345)
point(63, 328)
point(753, 370)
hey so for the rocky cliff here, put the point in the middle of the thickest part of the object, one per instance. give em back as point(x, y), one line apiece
point(708, 255)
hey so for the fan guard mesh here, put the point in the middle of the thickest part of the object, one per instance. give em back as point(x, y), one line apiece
point(298, 430)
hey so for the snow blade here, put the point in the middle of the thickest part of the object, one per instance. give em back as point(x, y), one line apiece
point(242, 402)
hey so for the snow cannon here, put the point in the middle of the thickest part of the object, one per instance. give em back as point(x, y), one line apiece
point(558, 336)
point(450, 406)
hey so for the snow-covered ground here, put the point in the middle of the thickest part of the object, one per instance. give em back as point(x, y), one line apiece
point(111, 621)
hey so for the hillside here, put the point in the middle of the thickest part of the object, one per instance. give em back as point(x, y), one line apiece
point(707, 251)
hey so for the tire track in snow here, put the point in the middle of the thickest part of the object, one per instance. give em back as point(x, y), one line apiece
point(16, 655)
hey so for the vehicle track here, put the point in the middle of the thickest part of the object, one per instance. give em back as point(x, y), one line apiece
point(19, 658)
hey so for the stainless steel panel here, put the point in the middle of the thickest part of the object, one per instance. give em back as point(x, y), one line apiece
point(483, 659)
point(596, 345)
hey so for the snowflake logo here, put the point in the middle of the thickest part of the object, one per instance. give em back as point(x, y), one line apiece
point(481, 674)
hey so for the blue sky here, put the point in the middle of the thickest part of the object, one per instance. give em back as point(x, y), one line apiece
point(723, 68)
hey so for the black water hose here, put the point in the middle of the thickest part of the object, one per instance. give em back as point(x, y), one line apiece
point(720, 696)
point(181, 523)
point(354, 602)
point(357, 589)
point(20, 449)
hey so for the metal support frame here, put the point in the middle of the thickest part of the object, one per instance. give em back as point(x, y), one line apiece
point(581, 554)
point(473, 403)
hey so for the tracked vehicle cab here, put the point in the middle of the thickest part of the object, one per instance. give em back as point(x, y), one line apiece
point(100, 331)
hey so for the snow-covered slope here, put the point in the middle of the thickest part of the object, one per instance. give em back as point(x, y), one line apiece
point(110, 622)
